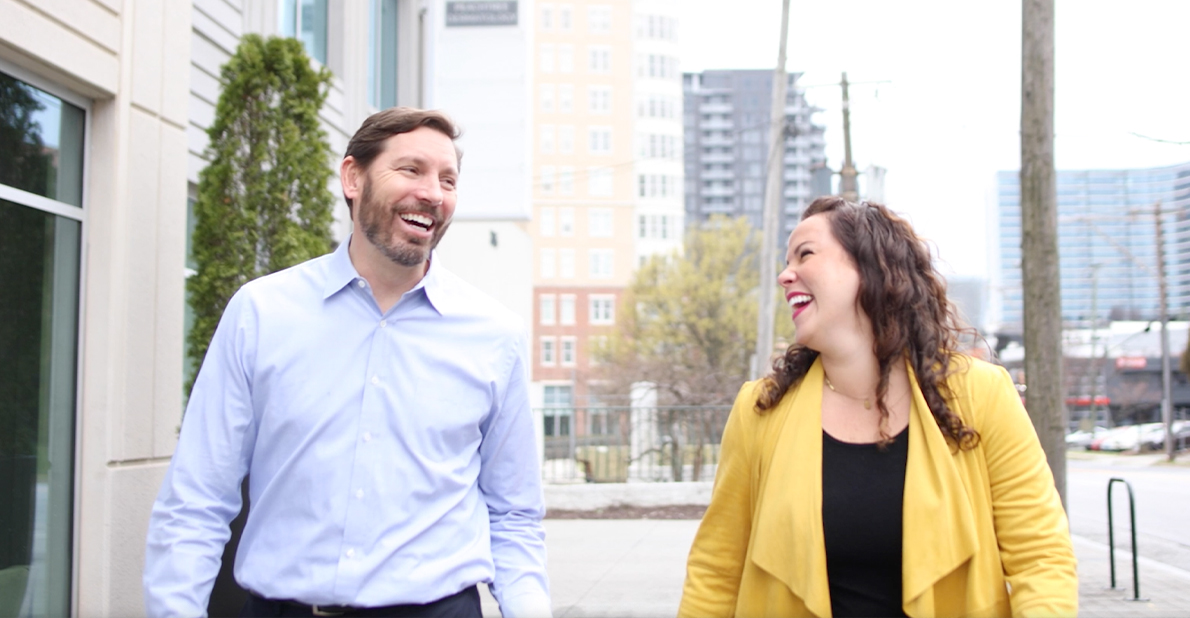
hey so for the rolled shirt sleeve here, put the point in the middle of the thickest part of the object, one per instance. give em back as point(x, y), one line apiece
point(510, 481)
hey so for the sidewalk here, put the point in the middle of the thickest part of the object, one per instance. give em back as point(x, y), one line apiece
point(635, 568)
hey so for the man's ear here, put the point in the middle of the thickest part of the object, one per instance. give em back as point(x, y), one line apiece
point(351, 176)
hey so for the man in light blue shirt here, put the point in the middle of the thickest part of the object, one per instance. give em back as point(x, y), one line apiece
point(379, 405)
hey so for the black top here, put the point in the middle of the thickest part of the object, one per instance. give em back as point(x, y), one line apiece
point(863, 487)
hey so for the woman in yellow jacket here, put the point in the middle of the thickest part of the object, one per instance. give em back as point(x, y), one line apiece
point(877, 472)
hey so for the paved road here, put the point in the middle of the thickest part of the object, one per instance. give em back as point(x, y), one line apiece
point(1162, 505)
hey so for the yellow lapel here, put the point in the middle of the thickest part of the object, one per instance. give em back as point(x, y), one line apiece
point(939, 525)
point(787, 541)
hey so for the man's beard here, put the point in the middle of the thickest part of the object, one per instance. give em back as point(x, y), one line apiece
point(377, 222)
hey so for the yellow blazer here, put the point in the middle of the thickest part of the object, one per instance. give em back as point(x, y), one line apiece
point(974, 520)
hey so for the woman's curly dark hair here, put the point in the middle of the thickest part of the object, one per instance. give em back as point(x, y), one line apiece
point(905, 299)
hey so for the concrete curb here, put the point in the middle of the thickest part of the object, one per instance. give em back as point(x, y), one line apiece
point(591, 496)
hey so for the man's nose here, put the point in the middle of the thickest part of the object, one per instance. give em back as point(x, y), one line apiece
point(430, 190)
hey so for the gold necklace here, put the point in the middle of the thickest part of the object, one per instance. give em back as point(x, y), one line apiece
point(867, 402)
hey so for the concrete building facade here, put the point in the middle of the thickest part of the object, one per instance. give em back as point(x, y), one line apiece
point(727, 118)
point(105, 105)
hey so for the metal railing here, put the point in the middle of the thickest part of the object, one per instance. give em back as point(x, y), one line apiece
point(618, 444)
point(1111, 539)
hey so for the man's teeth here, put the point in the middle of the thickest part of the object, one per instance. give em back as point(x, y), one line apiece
point(418, 220)
point(799, 299)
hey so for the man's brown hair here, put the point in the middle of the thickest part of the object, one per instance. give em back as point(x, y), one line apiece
point(368, 141)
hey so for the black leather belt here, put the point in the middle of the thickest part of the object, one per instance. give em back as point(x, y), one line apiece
point(325, 610)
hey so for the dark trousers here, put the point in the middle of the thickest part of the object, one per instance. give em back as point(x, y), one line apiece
point(464, 604)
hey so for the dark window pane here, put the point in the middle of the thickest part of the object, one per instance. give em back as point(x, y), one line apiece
point(41, 142)
point(39, 270)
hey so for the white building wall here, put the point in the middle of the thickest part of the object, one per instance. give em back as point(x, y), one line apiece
point(482, 77)
point(129, 58)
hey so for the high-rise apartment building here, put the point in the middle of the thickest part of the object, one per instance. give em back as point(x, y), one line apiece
point(1107, 243)
point(727, 119)
point(607, 180)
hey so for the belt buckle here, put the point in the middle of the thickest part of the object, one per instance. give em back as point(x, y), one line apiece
point(333, 610)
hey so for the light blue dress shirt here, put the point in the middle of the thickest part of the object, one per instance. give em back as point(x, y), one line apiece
point(392, 456)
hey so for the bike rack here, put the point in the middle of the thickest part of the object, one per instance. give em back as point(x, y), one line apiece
point(1111, 541)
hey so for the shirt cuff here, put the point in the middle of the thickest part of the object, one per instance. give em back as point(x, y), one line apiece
point(527, 605)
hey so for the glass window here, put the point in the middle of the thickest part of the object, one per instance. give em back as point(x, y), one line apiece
point(557, 400)
point(600, 181)
point(41, 146)
point(565, 17)
point(42, 151)
point(547, 178)
point(306, 20)
point(600, 263)
point(602, 309)
point(566, 310)
point(382, 54)
point(566, 139)
point(566, 98)
point(565, 58)
point(566, 180)
point(547, 98)
point(548, 265)
point(566, 221)
point(599, 140)
point(566, 263)
point(547, 57)
point(547, 351)
point(546, 221)
point(547, 139)
point(599, 222)
point(568, 351)
point(599, 19)
point(547, 314)
point(547, 17)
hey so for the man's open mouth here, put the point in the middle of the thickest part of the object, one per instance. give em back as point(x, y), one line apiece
point(421, 222)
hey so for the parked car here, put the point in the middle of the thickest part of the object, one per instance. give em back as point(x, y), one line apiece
point(1132, 437)
point(1155, 440)
point(1109, 436)
point(1082, 439)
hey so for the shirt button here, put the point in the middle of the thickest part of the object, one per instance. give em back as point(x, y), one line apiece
point(367, 436)
point(350, 553)
point(375, 380)
point(383, 323)
point(359, 493)
point(362, 283)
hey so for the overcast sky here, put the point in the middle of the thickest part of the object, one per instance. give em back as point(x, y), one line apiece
point(949, 115)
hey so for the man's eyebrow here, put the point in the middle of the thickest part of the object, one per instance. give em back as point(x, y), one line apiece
point(420, 161)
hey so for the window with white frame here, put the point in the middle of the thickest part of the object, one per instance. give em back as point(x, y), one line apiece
point(546, 310)
point(566, 99)
point(566, 180)
point(566, 263)
point(565, 221)
point(565, 17)
point(382, 53)
point(547, 17)
point(599, 140)
point(547, 98)
point(566, 139)
point(566, 309)
point(547, 57)
point(599, 59)
point(565, 58)
point(602, 309)
point(599, 222)
point(549, 268)
point(599, 99)
point(548, 173)
point(568, 351)
point(600, 181)
point(547, 138)
point(558, 400)
point(545, 221)
point(306, 21)
point(549, 351)
point(599, 19)
point(600, 264)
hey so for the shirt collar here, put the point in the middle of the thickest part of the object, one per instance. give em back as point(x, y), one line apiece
point(437, 282)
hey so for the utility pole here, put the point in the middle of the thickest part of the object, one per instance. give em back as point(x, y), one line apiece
point(773, 197)
point(1039, 238)
point(1095, 369)
point(848, 189)
point(1166, 378)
